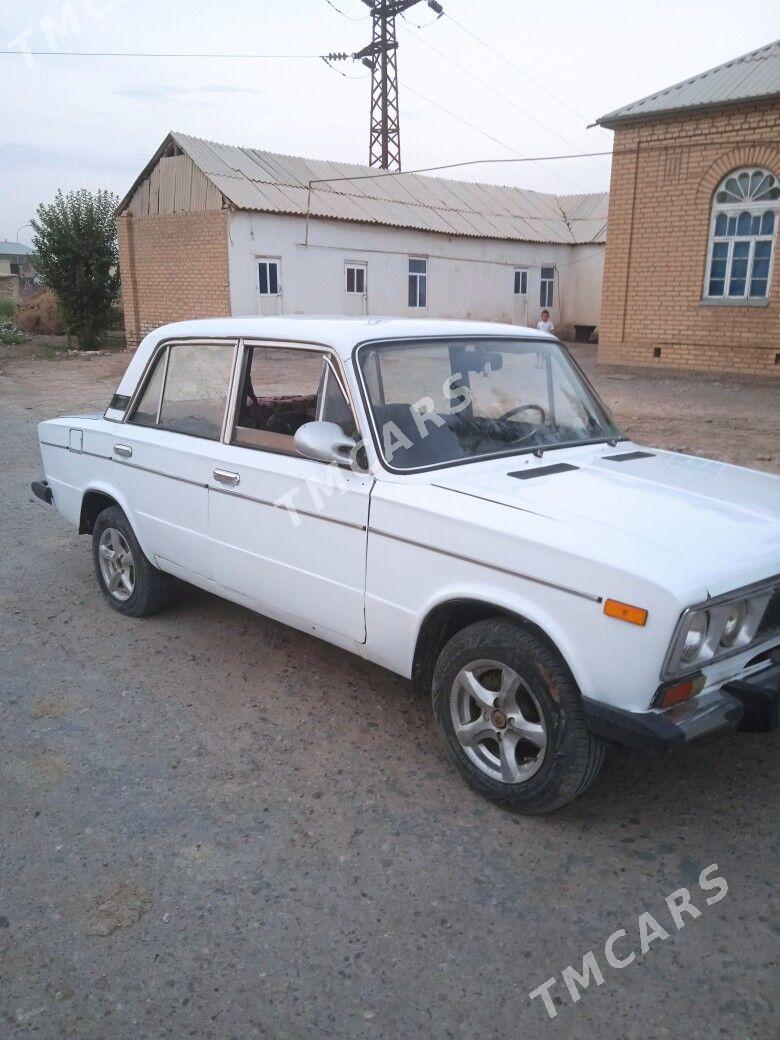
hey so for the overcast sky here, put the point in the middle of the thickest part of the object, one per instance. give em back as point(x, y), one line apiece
point(95, 122)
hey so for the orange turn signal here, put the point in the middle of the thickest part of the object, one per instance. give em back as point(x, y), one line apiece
point(625, 612)
point(681, 692)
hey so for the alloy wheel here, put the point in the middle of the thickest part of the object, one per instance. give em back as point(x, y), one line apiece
point(498, 721)
point(117, 566)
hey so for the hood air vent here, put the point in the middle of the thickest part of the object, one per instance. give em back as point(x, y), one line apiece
point(628, 456)
point(542, 471)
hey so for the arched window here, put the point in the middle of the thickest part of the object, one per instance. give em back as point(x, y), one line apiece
point(742, 235)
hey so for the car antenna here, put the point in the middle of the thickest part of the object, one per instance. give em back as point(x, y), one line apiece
point(539, 453)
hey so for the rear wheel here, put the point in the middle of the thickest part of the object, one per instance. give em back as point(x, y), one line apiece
point(128, 581)
point(511, 718)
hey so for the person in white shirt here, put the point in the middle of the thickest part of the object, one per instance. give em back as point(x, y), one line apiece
point(544, 325)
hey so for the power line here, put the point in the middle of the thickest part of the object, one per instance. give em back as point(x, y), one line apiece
point(349, 17)
point(432, 169)
point(154, 54)
point(469, 162)
point(458, 165)
point(484, 133)
point(380, 57)
point(345, 75)
point(425, 24)
point(492, 89)
point(517, 68)
point(632, 150)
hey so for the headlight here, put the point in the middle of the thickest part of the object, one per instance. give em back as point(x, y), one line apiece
point(695, 636)
point(734, 623)
point(723, 626)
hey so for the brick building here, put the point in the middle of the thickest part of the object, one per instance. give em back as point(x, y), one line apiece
point(211, 229)
point(689, 278)
point(16, 272)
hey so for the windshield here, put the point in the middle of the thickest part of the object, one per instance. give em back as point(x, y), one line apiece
point(436, 402)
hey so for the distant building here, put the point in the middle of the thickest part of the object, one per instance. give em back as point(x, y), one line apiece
point(16, 271)
point(209, 229)
point(689, 277)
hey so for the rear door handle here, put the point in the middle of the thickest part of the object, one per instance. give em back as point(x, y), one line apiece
point(124, 451)
point(224, 476)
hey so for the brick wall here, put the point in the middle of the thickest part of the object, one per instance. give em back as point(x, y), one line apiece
point(664, 174)
point(9, 287)
point(173, 267)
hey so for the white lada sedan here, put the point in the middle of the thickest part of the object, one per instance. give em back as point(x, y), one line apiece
point(452, 501)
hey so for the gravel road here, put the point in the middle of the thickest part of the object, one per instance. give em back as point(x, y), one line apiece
point(213, 826)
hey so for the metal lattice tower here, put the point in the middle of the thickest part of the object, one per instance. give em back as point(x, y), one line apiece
point(381, 56)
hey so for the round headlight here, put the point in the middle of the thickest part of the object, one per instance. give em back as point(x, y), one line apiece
point(735, 620)
point(695, 636)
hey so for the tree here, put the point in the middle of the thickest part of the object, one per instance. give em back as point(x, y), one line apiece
point(77, 256)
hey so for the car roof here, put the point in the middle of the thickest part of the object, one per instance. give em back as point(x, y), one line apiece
point(341, 334)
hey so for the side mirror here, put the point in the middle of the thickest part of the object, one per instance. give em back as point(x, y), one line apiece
point(324, 442)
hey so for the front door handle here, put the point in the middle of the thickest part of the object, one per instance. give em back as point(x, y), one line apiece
point(124, 451)
point(224, 476)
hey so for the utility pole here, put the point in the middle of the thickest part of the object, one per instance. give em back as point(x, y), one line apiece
point(381, 56)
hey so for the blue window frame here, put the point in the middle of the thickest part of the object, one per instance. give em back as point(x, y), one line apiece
point(745, 214)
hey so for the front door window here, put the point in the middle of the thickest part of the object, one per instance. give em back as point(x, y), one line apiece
point(284, 388)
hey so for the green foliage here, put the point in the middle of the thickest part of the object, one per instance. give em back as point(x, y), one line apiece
point(51, 350)
point(12, 339)
point(76, 254)
point(7, 310)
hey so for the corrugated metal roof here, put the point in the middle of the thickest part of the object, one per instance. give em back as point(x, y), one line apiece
point(251, 179)
point(15, 249)
point(749, 77)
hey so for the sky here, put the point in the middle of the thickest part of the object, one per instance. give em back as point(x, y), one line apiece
point(74, 122)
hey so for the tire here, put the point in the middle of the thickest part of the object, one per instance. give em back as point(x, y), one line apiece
point(529, 750)
point(139, 589)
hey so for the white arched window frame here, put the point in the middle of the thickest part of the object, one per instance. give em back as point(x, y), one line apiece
point(745, 213)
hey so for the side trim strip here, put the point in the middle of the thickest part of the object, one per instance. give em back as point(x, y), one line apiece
point(64, 447)
point(288, 509)
point(491, 566)
point(159, 473)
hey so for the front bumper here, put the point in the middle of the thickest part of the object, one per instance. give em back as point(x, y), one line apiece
point(751, 704)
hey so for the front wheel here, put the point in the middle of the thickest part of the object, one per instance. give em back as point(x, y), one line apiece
point(511, 718)
point(128, 581)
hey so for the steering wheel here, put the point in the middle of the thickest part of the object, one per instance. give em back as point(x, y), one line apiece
point(523, 408)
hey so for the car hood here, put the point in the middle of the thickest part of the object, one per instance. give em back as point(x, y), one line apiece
point(721, 522)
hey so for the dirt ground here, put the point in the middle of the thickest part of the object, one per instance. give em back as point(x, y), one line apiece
point(717, 416)
point(212, 826)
